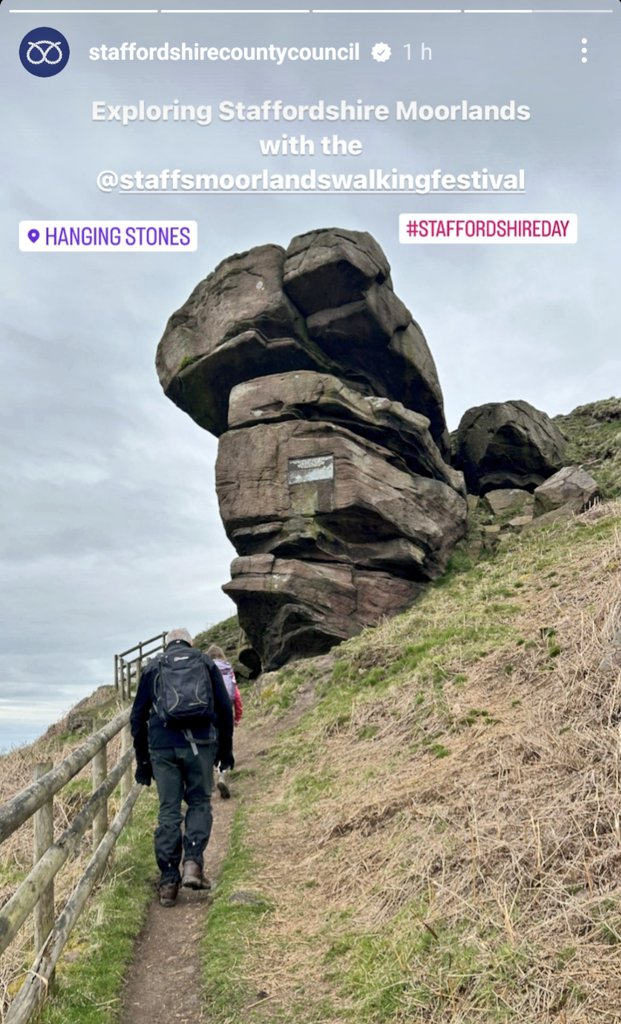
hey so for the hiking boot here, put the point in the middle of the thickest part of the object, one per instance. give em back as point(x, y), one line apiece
point(223, 789)
point(193, 876)
point(168, 893)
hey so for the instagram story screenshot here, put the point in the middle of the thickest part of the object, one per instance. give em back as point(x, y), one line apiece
point(311, 348)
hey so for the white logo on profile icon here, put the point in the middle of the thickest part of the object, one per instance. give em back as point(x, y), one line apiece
point(45, 47)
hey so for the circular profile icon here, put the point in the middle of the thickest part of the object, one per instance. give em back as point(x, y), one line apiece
point(44, 52)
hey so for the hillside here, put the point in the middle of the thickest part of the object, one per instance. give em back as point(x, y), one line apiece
point(438, 838)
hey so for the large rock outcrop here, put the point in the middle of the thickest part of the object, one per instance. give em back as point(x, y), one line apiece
point(332, 471)
point(242, 322)
point(507, 445)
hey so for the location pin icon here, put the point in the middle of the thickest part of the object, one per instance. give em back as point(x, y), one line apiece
point(33, 235)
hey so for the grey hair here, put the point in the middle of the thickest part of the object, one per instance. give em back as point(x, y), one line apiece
point(178, 634)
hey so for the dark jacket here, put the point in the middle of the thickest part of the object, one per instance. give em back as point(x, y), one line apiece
point(150, 732)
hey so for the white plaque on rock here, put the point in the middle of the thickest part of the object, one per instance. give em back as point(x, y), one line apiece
point(319, 467)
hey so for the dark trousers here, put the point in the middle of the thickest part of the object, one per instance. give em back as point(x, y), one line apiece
point(182, 775)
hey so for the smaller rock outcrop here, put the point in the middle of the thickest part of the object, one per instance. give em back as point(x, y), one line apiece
point(513, 499)
point(507, 445)
point(571, 488)
point(563, 495)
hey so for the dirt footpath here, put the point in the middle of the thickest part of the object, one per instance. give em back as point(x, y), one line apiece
point(164, 985)
point(164, 982)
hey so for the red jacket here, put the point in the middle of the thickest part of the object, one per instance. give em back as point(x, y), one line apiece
point(238, 707)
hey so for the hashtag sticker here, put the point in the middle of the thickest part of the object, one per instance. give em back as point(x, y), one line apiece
point(487, 228)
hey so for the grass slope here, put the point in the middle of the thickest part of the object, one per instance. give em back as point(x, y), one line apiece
point(594, 435)
point(439, 839)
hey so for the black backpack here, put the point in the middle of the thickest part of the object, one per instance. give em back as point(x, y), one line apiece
point(183, 689)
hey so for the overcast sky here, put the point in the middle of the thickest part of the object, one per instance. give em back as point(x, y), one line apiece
point(110, 528)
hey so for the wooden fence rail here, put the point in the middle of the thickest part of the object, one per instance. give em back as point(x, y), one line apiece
point(127, 671)
point(24, 804)
point(36, 892)
point(34, 989)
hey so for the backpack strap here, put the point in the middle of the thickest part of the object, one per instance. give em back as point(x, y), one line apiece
point(189, 735)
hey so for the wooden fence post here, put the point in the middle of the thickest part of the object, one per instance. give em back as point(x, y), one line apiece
point(127, 780)
point(43, 821)
point(34, 989)
point(99, 773)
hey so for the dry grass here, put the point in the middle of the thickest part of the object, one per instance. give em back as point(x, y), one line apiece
point(16, 772)
point(451, 852)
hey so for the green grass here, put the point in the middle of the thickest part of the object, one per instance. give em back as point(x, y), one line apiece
point(11, 874)
point(231, 926)
point(439, 750)
point(606, 913)
point(593, 433)
point(478, 715)
point(225, 634)
point(291, 749)
point(280, 693)
point(90, 986)
point(417, 967)
point(307, 789)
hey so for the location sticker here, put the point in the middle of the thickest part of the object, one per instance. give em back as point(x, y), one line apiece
point(69, 236)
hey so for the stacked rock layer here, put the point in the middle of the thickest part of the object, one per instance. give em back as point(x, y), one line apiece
point(331, 474)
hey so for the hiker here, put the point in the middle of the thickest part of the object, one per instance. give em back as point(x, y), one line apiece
point(181, 724)
point(226, 670)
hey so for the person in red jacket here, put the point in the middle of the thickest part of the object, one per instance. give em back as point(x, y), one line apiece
point(226, 671)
